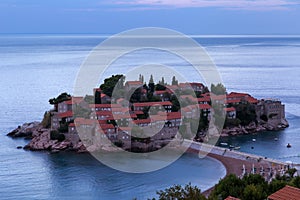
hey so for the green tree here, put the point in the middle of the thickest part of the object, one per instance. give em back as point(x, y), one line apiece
point(254, 192)
point(174, 81)
point(151, 84)
point(218, 89)
point(114, 83)
point(245, 112)
point(188, 192)
point(46, 122)
point(60, 98)
point(229, 186)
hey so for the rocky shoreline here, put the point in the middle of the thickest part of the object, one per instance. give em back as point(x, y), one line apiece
point(40, 137)
point(253, 128)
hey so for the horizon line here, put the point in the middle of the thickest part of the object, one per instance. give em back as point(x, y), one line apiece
point(104, 35)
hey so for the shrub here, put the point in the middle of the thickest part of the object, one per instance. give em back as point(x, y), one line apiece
point(55, 135)
point(46, 123)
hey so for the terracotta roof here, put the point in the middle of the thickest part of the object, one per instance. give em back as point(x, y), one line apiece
point(160, 103)
point(102, 122)
point(71, 125)
point(134, 83)
point(142, 121)
point(204, 106)
point(190, 97)
point(66, 114)
point(251, 100)
point(138, 112)
point(159, 92)
point(106, 126)
point(172, 87)
point(204, 99)
point(218, 97)
point(123, 128)
point(74, 100)
point(233, 101)
point(237, 94)
point(174, 115)
point(104, 113)
point(229, 109)
point(185, 85)
point(104, 105)
point(286, 193)
point(231, 198)
point(82, 121)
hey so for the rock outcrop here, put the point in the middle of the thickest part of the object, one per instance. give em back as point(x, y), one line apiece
point(253, 128)
point(40, 139)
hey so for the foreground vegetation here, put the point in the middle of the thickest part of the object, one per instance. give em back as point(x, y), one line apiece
point(250, 187)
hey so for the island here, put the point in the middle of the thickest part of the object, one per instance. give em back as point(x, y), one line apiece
point(143, 117)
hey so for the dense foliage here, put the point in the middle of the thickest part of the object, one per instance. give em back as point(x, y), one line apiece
point(181, 193)
point(115, 82)
point(55, 135)
point(218, 89)
point(250, 187)
point(62, 97)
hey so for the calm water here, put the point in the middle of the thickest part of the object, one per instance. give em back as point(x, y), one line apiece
point(35, 68)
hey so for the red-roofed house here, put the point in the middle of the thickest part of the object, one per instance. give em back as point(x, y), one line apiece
point(104, 107)
point(167, 105)
point(286, 193)
point(66, 116)
point(191, 111)
point(133, 85)
point(197, 87)
point(142, 122)
point(185, 86)
point(173, 119)
point(230, 112)
point(67, 105)
point(204, 100)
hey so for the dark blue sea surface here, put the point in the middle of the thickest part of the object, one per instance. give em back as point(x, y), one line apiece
point(34, 68)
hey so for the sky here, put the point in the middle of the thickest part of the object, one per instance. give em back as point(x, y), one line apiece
point(194, 17)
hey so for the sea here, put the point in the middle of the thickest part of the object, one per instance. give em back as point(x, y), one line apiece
point(34, 68)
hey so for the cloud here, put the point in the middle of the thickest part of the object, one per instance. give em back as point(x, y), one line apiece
point(226, 4)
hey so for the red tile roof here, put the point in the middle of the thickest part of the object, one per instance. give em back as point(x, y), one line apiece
point(74, 100)
point(237, 94)
point(190, 97)
point(229, 109)
point(104, 105)
point(251, 100)
point(233, 101)
point(218, 97)
point(142, 121)
point(204, 99)
point(148, 104)
point(71, 125)
point(159, 92)
point(174, 115)
point(106, 126)
point(66, 114)
point(286, 193)
point(204, 106)
point(134, 83)
point(82, 121)
point(138, 112)
point(172, 87)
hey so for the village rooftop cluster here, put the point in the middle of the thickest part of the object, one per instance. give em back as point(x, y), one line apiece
point(162, 107)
